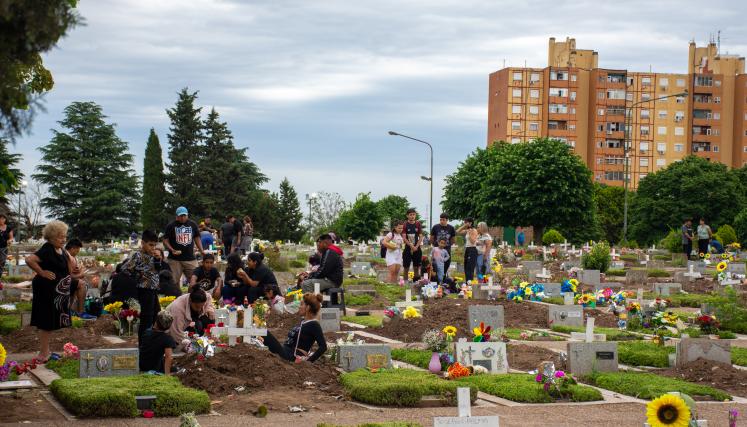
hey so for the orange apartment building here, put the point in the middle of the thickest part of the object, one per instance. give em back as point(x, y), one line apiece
point(585, 106)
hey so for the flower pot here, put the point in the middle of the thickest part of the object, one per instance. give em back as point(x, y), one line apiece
point(435, 365)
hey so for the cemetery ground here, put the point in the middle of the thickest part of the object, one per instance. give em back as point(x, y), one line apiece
point(616, 376)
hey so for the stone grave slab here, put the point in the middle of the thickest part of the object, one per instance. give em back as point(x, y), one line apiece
point(636, 277)
point(484, 291)
point(619, 265)
point(329, 319)
point(13, 385)
point(532, 265)
point(691, 349)
point(586, 357)
point(568, 298)
point(20, 270)
point(361, 268)
point(682, 277)
point(581, 336)
point(565, 315)
point(737, 267)
point(552, 289)
point(491, 355)
point(612, 285)
point(382, 276)
point(655, 264)
point(465, 417)
point(539, 275)
point(490, 315)
point(105, 362)
point(697, 266)
point(589, 277)
point(358, 356)
point(666, 289)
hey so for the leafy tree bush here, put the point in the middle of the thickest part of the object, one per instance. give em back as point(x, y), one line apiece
point(393, 207)
point(552, 236)
point(726, 235)
point(740, 227)
point(598, 258)
point(362, 221)
point(673, 241)
point(609, 202)
point(153, 215)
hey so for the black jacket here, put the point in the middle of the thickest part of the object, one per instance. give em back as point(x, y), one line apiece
point(330, 268)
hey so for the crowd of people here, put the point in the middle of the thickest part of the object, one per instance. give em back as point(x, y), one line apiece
point(702, 236)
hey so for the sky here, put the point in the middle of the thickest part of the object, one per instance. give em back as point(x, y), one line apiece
point(312, 87)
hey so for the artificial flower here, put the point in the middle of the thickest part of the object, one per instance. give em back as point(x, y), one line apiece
point(70, 350)
point(708, 255)
point(450, 331)
point(410, 275)
point(701, 255)
point(165, 301)
point(721, 266)
point(411, 312)
point(482, 333)
point(456, 371)
point(3, 355)
point(668, 410)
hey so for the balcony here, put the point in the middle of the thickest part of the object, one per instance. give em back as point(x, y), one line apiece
point(701, 147)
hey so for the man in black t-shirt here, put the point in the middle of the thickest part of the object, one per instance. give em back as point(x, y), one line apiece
point(156, 345)
point(180, 238)
point(229, 235)
point(207, 277)
point(446, 231)
point(412, 234)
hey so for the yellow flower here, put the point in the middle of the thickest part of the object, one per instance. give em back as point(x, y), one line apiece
point(724, 256)
point(721, 266)
point(523, 285)
point(449, 330)
point(411, 313)
point(166, 300)
point(668, 410)
point(3, 355)
point(410, 275)
point(708, 255)
point(497, 267)
point(573, 282)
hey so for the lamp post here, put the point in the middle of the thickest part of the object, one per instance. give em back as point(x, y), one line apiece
point(425, 178)
point(626, 151)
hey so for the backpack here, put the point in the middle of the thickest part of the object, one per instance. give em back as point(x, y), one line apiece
point(381, 242)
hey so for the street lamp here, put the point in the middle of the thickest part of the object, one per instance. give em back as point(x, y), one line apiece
point(626, 151)
point(425, 178)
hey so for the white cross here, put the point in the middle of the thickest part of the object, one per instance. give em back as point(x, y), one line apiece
point(589, 329)
point(246, 331)
point(317, 291)
point(692, 272)
point(544, 274)
point(408, 301)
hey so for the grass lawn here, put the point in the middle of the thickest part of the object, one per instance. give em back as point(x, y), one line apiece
point(617, 272)
point(645, 385)
point(65, 368)
point(523, 388)
point(682, 300)
point(419, 358)
point(20, 306)
point(613, 334)
point(9, 323)
point(635, 353)
point(739, 356)
point(357, 300)
point(399, 387)
point(391, 293)
point(115, 396)
point(369, 321)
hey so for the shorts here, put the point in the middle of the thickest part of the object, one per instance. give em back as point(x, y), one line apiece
point(412, 258)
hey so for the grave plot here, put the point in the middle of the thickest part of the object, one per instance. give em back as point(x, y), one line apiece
point(86, 337)
point(710, 373)
point(31, 406)
point(527, 357)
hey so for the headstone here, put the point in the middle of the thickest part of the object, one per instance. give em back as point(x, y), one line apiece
point(25, 318)
point(329, 319)
point(565, 315)
point(581, 336)
point(317, 291)
point(568, 298)
point(532, 265)
point(106, 362)
point(589, 277)
point(691, 349)
point(692, 272)
point(359, 356)
point(233, 330)
point(408, 301)
point(587, 357)
point(666, 289)
point(697, 266)
point(736, 268)
point(655, 264)
point(636, 277)
point(465, 417)
point(491, 355)
point(618, 265)
point(360, 268)
point(490, 315)
point(552, 289)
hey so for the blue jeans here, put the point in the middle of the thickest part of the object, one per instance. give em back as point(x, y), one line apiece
point(482, 266)
point(439, 270)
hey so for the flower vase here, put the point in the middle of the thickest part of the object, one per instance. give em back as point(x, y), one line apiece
point(435, 364)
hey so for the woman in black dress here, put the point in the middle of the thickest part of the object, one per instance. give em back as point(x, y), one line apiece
point(301, 338)
point(50, 308)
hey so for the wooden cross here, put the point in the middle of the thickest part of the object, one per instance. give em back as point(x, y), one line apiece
point(348, 357)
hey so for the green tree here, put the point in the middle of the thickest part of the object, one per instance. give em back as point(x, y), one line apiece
point(610, 203)
point(690, 188)
point(740, 227)
point(289, 213)
point(88, 170)
point(463, 192)
point(9, 173)
point(28, 29)
point(264, 213)
point(185, 148)
point(362, 221)
point(153, 214)
point(392, 207)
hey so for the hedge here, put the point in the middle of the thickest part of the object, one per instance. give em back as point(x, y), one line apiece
point(524, 388)
point(646, 385)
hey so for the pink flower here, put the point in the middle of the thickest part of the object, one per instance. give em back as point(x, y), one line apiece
point(70, 350)
point(559, 374)
point(538, 378)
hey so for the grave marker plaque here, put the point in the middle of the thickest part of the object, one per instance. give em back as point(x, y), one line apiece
point(586, 357)
point(490, 355)
point(552, 289)
point(108, 362)
point(329, 319)
point(589, 277)
point(532, 265)
point(360, 268)
point(358, 356)
point(737, 267)
point(565, 315)
point(666, 289)
point(636, 277)
point(490, 315)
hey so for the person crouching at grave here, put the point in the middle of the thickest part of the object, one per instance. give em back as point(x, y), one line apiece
point(314, 261)
point(236, 280)
point(50, 306)
point(207, 277)
point(278, 302)
point(329, 274)
point(144, 268)
point(78, 287)
point(167, 286)
point(192, 312)
point(297, 348)
point(156, 346)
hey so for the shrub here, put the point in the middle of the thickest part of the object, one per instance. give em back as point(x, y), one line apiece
point(657, 272)
point(629, 257)
point(645, 385)
point(630, 244)
point(524, 388)
point(663, 257)
point(399, 387)
point(740, 226)
point(275, 261)
point(115, 396)
point(294, 263)
point(731, 314)
point(726, 235)
point(727, 335)
point(552, 236)
point(616, 272)
point(644, 354)
point(598, 258)
point(65, 368)
point(739, 356)
point(672, 242)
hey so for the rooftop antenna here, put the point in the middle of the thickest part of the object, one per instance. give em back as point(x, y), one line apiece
point(718, 48)
point(504, 62)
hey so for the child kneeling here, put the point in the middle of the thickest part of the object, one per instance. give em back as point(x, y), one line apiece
point(156, 346)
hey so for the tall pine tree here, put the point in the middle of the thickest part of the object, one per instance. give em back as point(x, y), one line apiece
point(289, 213)
point(10, 175)
point(153, 214)
point(185, 149)
point(88, 170)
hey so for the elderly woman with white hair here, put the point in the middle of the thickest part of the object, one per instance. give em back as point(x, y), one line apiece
point(484, 245)
point(50, 308)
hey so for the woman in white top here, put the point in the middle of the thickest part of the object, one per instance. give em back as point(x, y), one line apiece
point(394, 243)
point(484, 245)
point(470, 247)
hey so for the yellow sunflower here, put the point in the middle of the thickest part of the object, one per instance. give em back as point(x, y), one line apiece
point(449, 330)
point(708, 255)
point(573, 282)
point(3, 354)
point(668, 411)
point(721, 266)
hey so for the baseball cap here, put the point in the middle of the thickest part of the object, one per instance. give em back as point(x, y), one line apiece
point(181, 210)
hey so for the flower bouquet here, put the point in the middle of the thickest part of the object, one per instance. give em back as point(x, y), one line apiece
point(587, 300)
point(411, 313)
point(569, 285)
point(555, 383)
point(708, 324)
point(113, 308)
point(260, 313)
point(165, 301)
point(482, 333)
point(127, 317)
point(436, 342)
point(70, 351)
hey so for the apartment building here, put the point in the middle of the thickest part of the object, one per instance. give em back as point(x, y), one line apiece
point(585, 106)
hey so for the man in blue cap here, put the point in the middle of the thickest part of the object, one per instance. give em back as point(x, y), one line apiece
point(180, 238)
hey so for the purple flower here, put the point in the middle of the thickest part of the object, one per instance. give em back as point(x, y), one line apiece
point(538, 378)
point(559, 374)
point(547, 386)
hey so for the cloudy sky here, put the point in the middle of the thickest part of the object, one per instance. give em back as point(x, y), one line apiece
point(312, 87)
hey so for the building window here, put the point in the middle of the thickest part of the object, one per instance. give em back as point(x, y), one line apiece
point(534, 109)
point(600, 111)
point(614, 175)
point(663, 81)
point(556, 91)
point(643, 161)
point(517, 76)
point(662, 114)
point(646, 81)
point(558, 108)
point(573, 96)
point(600, 94)
point(534, 126)
point(515, 140)
point(679, 131)
point(641, 176)
point(661, 162)
point(558, 75)
point(571, 127)
point(715, 148)
point(645, 97)
point(661, 147)
point(573, 77)
point(680, 99)
point(535, 77)
point(515, 125)
point(703, 81)
point(615, 94)
point(716, 116)
point(662, 130)
point(516, 109)
point(678, 148)
point(679, 116)
point(516, 93)
point(645, 114)
point(629, 96)
point(644, 131)
point(716, 99)
point(534, 93)
point(680, 82)
point(643, 146)
point(744, 148)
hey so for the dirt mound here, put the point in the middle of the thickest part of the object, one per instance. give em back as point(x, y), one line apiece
point(87, 337)
point(602, 317)
point(707, 372)
point(526, 357)
point(252, 367)
point(699, 286)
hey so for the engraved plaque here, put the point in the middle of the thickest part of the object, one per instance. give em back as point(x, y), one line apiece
point(124, 362)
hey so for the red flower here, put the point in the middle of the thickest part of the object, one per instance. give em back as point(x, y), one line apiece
point(220, 325)
point(200, 357)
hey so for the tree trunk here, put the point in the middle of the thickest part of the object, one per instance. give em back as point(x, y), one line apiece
point(539, 230)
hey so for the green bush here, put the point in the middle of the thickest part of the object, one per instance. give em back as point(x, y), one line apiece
point(9, 323)
point(65, 368)
point(629, 257)
point(419, 358)
point(673, 241)
point(369, 321)
point(630, 244)
point(732, 315)
point(552, 236)
point(740, 227)
point(644, 354)
point(726, 235)
point(275, 261)
point(615, 272)
point(663, 257)
point(613, 334)
point(399, 387)
point(362, 299)
point(739, 356)
point(115, 396)
point(644, 385)
point(726, 335)
point(523, 388)
point(598, 258)
point(657, 272)
point(16, 279)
